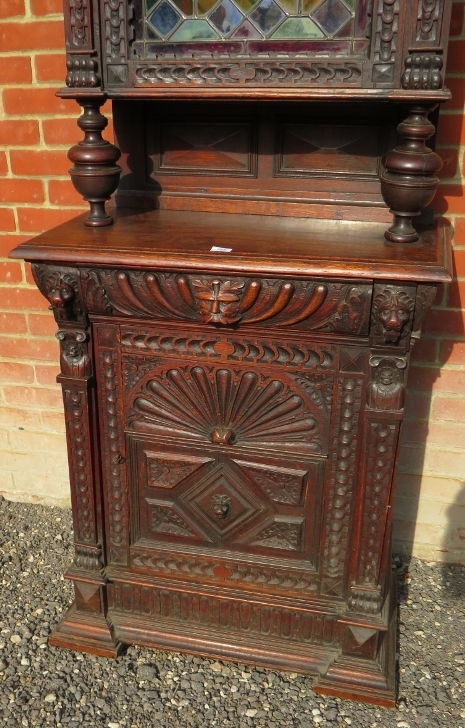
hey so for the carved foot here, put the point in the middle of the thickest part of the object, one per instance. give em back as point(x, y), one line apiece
point(408, 183)
point(86, 633)
point(94, 173)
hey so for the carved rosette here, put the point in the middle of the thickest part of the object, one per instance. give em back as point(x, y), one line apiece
point(392, 314)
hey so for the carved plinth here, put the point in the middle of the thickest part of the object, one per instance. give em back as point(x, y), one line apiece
point(408, 183)
point(94, 173)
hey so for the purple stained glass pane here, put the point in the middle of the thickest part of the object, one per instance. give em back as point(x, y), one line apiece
point(164, 18)
point(226, 17)
point(332, 15)
point(347, 31)
point(246, 30)
point(267, 15)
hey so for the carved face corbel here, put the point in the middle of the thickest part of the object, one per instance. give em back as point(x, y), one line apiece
point(386, 390)
point(60, 287)
point(74, 359)
point(392, 314)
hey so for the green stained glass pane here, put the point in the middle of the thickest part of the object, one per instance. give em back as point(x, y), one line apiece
point(350, 3)
point(185, 6)
point(298, 29)
point(246, 5)
point(194, 30)
point(290, 6)
point(204, 6)
point(309, 5)
point(149, 4)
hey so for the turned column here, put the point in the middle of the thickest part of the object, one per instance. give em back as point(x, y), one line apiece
point(94, 173)
point(408, 183)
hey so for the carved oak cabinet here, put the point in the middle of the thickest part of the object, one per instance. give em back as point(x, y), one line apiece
point(235, 335)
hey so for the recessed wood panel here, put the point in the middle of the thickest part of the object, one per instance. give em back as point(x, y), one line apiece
point(329, 149)
point(207, 148)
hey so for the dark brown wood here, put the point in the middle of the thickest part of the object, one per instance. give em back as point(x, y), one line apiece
point(94, 172)
point(234, 350)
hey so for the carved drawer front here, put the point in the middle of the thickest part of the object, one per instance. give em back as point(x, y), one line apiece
point(230, 504)
point(312, 305)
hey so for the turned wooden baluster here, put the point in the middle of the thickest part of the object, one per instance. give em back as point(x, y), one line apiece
point(408, 183)
point(94, 173)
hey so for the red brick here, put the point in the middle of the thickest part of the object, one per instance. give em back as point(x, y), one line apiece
point(29, 276)
point(411, 459)
point(21, 190)
point(7, 220)
point(446, 436)
point(448, 408)
point(47, 374)
point(8, 242)
point(11, 8)
point(3, 164)
point(417, 406)
point(21, 299)
point(46, 7)
point(437, 380)
point(54, 421)
point(51, 67)
point(459, 231)
point(457, 89)
point(42, 324)
point(456, 21)
point(452, 352)
point(445, 321)
point(12, 323)
point(425, 350)
point(456, 56)
point(10, 273)
point(14, 372)
point(62, 192)
point(21, 101)
point(449, 198)
point(19, 132)
point(32, 396)
point(459, 261)
point(39, 35)
point(450, 161)
point(36, 220)
point(451, 129)
point(15, 69)
point(456, 294)
point(61, 131)
point(28, 348)
point(19, 417)
point(45, 162)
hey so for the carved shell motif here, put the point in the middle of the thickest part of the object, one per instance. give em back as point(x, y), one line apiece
point(224, 407)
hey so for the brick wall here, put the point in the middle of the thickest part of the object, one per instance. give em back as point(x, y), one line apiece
point(36, 129)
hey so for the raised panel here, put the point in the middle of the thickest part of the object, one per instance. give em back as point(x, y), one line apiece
point(206, 148)
point(330, 149)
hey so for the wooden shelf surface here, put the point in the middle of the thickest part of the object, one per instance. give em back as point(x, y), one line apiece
point(259, 244)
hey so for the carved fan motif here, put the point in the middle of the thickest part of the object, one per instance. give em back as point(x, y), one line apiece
point(226, 407)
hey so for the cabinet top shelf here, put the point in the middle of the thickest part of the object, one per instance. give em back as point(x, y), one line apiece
point(258, 244)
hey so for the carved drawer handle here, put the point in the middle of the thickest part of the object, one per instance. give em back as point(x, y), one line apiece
point(118, 459)
point(221, 505)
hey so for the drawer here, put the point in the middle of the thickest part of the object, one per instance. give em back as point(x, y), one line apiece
point(308, 305)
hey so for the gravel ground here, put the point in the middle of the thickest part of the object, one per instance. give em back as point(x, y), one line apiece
point(43, 686)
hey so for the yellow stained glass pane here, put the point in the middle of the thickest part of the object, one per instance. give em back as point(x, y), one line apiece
point(309, 5)
point(246, 5)
point(290, 6)
point(205, 6)
point(185, 6)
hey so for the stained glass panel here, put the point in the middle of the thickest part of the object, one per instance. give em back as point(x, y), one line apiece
point(257, 20)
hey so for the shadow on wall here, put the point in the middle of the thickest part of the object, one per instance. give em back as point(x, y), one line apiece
point(454, 543)
point(430, 470)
